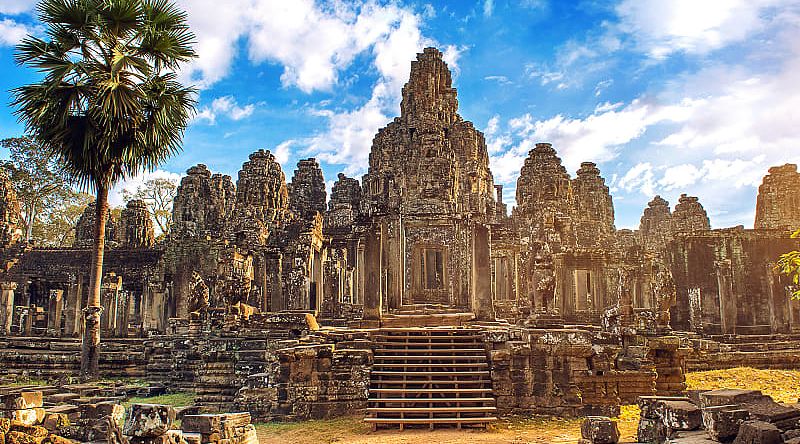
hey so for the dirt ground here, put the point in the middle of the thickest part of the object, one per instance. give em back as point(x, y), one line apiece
point(783, 385)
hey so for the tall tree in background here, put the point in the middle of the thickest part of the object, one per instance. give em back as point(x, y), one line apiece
point(158, 194)
point(56, 227)
point(108, 105)
point(41, 184)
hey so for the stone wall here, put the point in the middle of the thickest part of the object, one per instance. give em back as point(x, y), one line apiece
point(777, 205)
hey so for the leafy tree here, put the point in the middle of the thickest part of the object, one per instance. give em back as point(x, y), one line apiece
point(158, 194)
point(41, 184)
point(789, 264)
point(57, 226)
point(108, 105)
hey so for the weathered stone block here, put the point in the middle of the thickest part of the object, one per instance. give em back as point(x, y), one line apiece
point(651, 431)
point(149, 420)
point(681, 415)
point(25, 416)
point(728, 397)
point(722, 422)
point(21, 401)
point(758, 432)
point(600, 430)
point(53, 421)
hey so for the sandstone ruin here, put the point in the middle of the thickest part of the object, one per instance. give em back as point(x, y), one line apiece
point(411, 294)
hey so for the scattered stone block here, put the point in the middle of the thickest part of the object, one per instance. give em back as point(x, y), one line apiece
point(758, 432)
point(21, 400)
point(728, 397)
point(722, 422)
point(149, 420)
point(680, 415)
point(26, 416)
point(52, 421)
point(599, 430)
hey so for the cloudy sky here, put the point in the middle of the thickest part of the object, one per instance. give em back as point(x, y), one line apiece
point(667, 97)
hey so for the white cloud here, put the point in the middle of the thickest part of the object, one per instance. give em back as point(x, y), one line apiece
point(282, 153)
point(13, 7)
point(488, 8)
point(313, 42)
point(12, 32)
point(224, 106)
point(639, 177)
point(503, 80)
point(661, 28)
point(712, 134)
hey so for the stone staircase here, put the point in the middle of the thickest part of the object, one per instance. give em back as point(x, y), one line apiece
point(429, 377)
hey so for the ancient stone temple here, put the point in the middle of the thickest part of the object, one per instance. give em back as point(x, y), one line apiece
point(429, 195)
point(271, 298)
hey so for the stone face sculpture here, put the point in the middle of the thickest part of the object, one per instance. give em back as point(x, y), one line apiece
point(137, 225)
point(778, 204)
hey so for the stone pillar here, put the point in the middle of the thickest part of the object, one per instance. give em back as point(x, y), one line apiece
point(109, 300)
point(481, 275)
point(73, 317)
point(373, 287)
point(360, 275)
point(727, 300)
point(124, 302)
point(54, 309)
point(7, 306)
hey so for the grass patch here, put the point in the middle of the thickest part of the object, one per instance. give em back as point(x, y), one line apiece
point(178, 399)
point(782, 385)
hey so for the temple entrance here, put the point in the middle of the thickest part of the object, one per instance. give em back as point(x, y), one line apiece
point(430, 276)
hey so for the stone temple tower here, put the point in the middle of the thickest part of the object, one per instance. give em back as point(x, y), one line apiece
point(430, 193)
point(778, 205)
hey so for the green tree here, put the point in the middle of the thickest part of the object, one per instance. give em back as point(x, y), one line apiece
point(56, 228)
point(158, 194)
point(41, 184)
point(108, 105)
point(789, 264)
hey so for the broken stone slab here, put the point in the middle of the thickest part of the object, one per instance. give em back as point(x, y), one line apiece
point(728, 397)
point(5, 425)
point(600, 430)
point(649, 405)
point(651, 431)
point(21, 401)
point(53, 421)
point(221, 423)
point(149, 420)
point(26, 416)
point(765, 409)
point(722, 422)
point(61, 398)
point(680, 415)
point(758, 432)
point(103, 409)
point(73, 412)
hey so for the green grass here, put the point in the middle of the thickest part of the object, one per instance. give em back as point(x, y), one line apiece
point(178, 399)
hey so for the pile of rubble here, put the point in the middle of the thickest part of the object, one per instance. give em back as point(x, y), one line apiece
point(737, 416)
point(25, 420)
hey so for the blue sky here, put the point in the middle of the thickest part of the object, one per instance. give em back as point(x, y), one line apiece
point(667, 97)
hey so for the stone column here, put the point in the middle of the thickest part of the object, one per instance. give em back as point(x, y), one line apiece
point(482, 304)
point(54, 309)
point(7, 306)
point(727, 300)
point(372, 266)
point(73, 316)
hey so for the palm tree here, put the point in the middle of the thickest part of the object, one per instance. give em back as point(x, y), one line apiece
point(108, 105)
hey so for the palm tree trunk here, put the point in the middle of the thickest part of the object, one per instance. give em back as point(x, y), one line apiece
point(90, 351)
